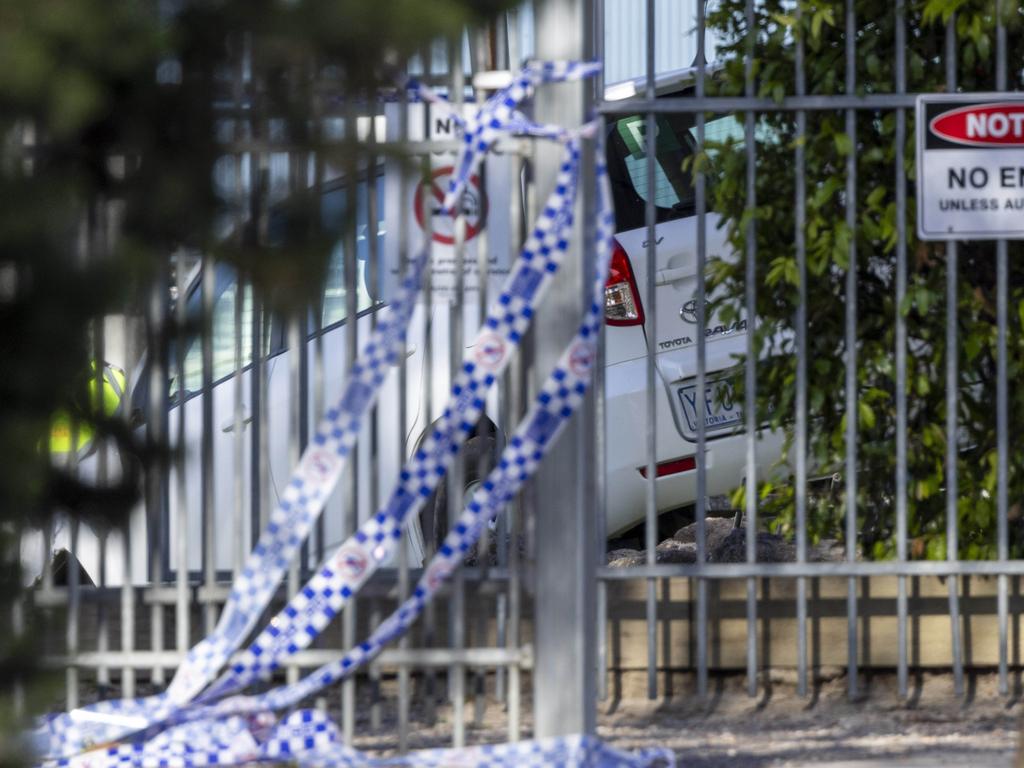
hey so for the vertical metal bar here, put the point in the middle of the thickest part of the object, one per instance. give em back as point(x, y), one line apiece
point(206, 442)
point(157, 434)
point(1002, 404)
point(600, 443)
point(564, 684)
point(102, 451)
point(511, 410)
point(373, 268)
point(239, 547)
point(74, 603)
point(901, 352)
point(257, 508)
point(182, 615)
point(238, 426)
point(403, 550)
point(851, 351)
point(457, 604)
point(952, 377)
point(514, 513)
point(71, 629)
point(750, 368)
point(295, 378)
point(702, 482)
point(487, 61)
point(427, 399)
point(127, 587)
point(102, 619)
point(261, 407)
point(350, 521)
point(799, 240)
point(651, 331)
point(17, 630)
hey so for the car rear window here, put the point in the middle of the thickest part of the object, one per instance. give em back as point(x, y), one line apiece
point(676, 140)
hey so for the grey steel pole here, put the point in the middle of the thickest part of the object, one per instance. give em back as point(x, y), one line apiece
point(565, 665)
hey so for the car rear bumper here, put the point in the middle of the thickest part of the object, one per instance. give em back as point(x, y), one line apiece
point(627, 452)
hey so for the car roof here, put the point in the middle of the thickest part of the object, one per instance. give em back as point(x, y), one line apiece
point(665, 83)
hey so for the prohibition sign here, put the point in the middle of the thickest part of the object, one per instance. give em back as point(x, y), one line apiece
point(473, 205)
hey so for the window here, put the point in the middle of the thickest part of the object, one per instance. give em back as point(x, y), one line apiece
point(332, 208)
point(223, 337)
point(627, 168)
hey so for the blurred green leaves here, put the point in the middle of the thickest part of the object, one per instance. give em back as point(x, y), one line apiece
point(113, 116)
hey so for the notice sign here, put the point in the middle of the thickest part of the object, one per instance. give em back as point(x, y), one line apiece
point(970, 167)
point(484, 207)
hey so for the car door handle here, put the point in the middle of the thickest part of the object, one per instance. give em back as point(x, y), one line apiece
point(229, 425)
point(666, 276)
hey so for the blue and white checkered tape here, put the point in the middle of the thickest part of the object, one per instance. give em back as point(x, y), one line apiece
point(558, 399)
point(320, 466)
point(290, 522)
point(555, 403)
point(374, 543)
point(308, 738)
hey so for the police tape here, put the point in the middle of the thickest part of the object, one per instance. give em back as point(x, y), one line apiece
point(313, 607)
point(237, 731)
point(310, 739)
point(557, 400)
point(318, 471)
point(300, 503)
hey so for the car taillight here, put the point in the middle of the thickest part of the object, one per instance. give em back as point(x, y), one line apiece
point(621, 298)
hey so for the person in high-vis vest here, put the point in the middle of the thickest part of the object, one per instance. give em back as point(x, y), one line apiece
point(64, 429)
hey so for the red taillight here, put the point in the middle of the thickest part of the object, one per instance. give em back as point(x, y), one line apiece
point(621, 298)
point(672, 467)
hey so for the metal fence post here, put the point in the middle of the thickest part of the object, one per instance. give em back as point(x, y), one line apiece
point(565, 666)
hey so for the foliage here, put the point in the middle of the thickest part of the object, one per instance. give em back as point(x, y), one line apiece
point(821, 25)
point(109, 123)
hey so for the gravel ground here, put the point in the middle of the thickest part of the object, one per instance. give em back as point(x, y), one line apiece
point(933, 728)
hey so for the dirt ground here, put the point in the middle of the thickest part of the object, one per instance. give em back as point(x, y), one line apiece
point(778, 728)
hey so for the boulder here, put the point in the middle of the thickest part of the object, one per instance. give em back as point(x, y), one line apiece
point(716, 529)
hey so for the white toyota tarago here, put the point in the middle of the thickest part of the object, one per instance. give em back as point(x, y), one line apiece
point(679, 405)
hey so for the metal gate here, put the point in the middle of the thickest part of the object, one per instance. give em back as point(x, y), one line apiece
point(759, 46)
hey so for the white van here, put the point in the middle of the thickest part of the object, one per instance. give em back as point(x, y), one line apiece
point(678, 406)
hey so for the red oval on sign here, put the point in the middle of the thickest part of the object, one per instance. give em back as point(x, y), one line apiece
point(984, 125)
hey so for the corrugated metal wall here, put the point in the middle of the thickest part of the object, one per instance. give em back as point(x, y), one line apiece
point(625, 34)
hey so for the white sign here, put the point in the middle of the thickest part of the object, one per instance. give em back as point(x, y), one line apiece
point(485, 206)
point(970, 166)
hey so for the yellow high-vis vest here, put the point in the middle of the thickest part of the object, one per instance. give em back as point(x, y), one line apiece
point(64, 429)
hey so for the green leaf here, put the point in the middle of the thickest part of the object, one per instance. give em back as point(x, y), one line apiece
point(843, 144)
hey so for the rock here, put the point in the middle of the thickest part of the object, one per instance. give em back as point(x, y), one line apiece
point(771, 548)
point(624, 558)
point(673, 551)
point(716, 529)
point(668, 552)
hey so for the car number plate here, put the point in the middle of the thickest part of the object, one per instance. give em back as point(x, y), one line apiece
point(718, 406)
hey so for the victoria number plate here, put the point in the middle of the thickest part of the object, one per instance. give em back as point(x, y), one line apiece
point(718, 407)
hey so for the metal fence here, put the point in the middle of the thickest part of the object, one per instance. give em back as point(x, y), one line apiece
point(849, 102)
point(547, 547)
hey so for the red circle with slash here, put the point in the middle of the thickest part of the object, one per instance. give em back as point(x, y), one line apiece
point(432, 194)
